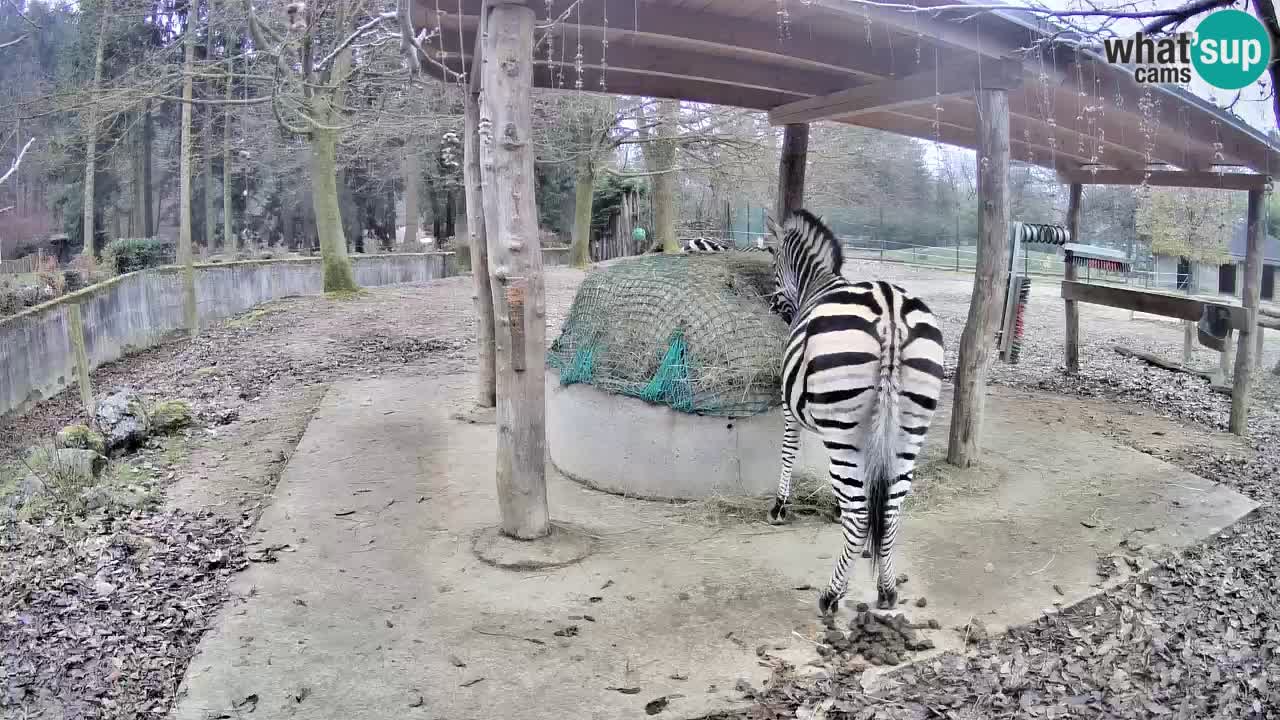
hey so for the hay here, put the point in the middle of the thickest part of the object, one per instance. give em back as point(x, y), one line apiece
point(811, 497)
point(935, 487)
point(689, 331)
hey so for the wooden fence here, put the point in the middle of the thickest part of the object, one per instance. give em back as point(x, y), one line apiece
point(28, 264)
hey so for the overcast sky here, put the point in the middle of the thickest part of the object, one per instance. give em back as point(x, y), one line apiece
point(1255, 104)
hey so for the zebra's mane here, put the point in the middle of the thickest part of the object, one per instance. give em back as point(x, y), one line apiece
point(805, 236)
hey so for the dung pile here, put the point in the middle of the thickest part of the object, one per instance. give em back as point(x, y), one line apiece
point(879, 639)
point(690, 331)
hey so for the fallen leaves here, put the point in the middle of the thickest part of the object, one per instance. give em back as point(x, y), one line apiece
point(95, 627)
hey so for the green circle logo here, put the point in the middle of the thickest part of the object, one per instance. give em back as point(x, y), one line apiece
point(1232, 49)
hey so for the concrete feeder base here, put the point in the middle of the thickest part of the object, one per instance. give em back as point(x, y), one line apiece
point(630, 447)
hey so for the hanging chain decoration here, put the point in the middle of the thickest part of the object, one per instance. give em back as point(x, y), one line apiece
point(1082, 99)
point(784, 21)
point(462, 45)
point(915, 23)
point(551, 46)
point(604, 48)
point(937, 97)
point(1099, 117)
point(441, 55)
point(561, 65)
point(577, 59)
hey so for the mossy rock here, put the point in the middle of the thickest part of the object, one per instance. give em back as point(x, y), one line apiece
point(171, 415)
point(81, 437)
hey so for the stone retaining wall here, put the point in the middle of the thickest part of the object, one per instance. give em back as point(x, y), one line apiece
point(138, 309)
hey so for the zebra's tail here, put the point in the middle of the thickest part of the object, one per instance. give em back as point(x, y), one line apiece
point(880, 445)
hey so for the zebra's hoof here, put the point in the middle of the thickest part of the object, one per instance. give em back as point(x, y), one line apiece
point(828, 604)
point(866, 553)
point(886, 600)
point(777, 514)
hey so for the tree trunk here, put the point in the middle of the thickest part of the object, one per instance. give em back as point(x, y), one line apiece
point(989, 280)
point(449, 214)
point(585, 180)
point(138, 209)
point(338, 275)
point(148, 140)
point(516, 258)
point(91, 130)
point(210, 218)
point(412, 173)
point(228, 226)
point(185, 255)
point(477, 236)
point(664, 183)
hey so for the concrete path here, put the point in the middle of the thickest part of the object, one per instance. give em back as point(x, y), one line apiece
point(378, 608)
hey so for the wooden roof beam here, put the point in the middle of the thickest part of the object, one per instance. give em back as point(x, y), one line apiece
point(901, 92)
point(952, 133)
point(1166, 178)
point(699, 31)
point(946, 34)
point(1034, 131)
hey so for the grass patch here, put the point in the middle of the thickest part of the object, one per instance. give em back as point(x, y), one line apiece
point(347, 295)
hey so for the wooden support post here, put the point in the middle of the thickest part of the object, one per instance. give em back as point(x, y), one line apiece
point(485, 384)
point(1250, 297)
point(1069, 273)
point(1188, 341)
point(1226, 359)
point(990, 276)
point(1257, 350)
point(75, 335)
point(515, 255)
point(791, 167)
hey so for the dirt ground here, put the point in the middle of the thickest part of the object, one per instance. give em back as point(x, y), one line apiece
point(1148, 649)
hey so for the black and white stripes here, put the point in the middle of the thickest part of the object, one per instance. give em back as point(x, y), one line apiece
point(862, 369)
point(708, 245)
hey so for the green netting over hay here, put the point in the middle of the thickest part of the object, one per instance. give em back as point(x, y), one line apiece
point(689, 331)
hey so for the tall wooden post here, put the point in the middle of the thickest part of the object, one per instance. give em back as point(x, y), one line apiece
point(511, 229)
point(990, 276)
point(75, 334)
point(791, 167)
point(1073, 309)
point(485, 382)
point(1249, 297)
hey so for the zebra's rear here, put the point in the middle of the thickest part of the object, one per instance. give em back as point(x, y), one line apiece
point(863, 370)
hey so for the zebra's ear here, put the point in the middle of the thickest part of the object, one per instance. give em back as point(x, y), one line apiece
point(772, 227)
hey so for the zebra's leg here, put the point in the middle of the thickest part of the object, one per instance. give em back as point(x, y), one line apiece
point(790, 444)
point(847, 484)
point(887, 585)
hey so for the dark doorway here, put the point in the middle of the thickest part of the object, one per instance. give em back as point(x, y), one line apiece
point(1268, 281)
point(1227, 279)
point(1184, 273)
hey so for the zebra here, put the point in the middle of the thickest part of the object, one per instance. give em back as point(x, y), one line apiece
point(704, 245)
point(862, 368)
point(707, 245)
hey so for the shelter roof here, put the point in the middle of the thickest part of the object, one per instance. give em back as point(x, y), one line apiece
point(911, 73)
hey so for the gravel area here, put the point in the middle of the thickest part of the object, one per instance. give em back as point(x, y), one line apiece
point(99, 614)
